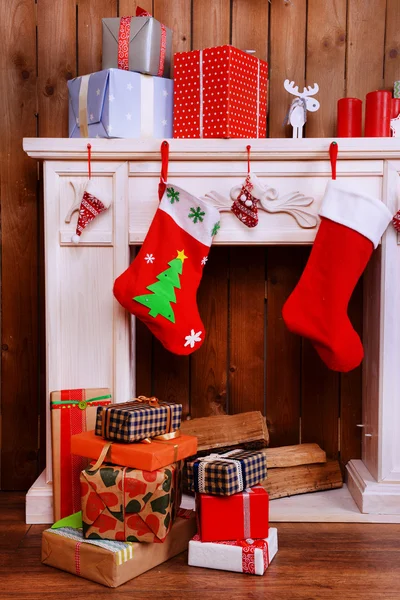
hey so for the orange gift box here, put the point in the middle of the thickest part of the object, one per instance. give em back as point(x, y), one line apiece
point(149, 457)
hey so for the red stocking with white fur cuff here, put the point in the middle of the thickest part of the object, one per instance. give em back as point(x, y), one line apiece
point(160, 285)
point(351, 227)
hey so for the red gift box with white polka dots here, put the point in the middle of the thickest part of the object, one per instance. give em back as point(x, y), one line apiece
point(220, 92)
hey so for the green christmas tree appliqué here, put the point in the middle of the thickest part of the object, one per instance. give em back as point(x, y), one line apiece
point(163, 290)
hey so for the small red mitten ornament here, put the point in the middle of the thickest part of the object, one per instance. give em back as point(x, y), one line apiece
point(396, 221)
point(245, 199)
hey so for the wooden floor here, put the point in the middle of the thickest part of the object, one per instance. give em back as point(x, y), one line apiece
point(315, 561)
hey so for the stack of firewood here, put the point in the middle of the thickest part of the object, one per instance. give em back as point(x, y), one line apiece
point(291, 469)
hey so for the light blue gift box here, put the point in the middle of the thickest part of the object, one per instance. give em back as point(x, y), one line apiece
point(120, 104)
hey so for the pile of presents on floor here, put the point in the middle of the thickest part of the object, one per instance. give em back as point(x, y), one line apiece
point(218, 92)
point(118, 475)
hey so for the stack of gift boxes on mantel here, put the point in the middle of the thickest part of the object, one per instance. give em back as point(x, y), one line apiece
point(218, 92)
point(118, 489)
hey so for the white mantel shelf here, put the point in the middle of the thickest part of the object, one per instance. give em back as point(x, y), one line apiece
point(297, 172)
point(210, 149)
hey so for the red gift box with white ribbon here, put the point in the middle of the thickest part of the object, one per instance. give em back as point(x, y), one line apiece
point(242, 556)
point(220, 92)
point(241, 516)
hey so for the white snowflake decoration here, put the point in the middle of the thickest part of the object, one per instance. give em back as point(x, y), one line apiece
point(128, 116)
point(129, 86)
point(98, 92)
point(204, 260)
point(165, 93)
point(149, 258)
point(164, 122)
point(109, 128)
point(192, 338)
point(111, 97)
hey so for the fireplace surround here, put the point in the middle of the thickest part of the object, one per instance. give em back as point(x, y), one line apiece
point(88, 335)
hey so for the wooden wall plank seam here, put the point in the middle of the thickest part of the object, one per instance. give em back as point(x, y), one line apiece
point(283, 361)
point(365, 47)
point(246, 329)
point(211, 23)
point(127, 8)
point(325, 64)
point(19, 251)
point(287, 59)
point(89, 32)
point(208, 366)
point(392, 43)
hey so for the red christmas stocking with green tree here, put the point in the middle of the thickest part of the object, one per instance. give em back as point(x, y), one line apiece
point(160, 285)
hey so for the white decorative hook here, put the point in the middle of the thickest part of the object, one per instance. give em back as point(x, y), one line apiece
point(78, 188)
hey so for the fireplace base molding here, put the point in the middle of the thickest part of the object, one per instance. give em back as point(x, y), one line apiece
point(295, 173)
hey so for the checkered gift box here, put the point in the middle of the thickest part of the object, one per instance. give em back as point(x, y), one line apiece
point(226, 474)
point(138, 420)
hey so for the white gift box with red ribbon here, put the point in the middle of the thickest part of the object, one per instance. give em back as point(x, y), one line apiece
point(243, 556)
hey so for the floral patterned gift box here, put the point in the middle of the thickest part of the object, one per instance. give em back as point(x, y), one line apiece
point(125, 504)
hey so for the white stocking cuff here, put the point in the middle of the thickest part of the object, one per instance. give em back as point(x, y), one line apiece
point(367, 215)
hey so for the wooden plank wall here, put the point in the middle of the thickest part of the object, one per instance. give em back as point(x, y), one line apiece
point(249, 360)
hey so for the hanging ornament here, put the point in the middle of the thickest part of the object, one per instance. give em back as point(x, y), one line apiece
point(246, 197)
point(90, 205)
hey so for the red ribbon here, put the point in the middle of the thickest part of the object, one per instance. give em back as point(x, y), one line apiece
point(124, 37)
point(163, 48)
point(72, 421)
point(164, 169)
point(141, 12)
point(123, 42)
point(78, 558)
point(333, 152)
point(248, 554)
point(249, 547)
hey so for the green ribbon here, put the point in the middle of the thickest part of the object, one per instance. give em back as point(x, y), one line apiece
point(74, 521)
point(82, 403)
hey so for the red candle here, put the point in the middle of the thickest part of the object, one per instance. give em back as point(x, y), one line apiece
point(349, 117)
point(377, 113)
point(395, 108)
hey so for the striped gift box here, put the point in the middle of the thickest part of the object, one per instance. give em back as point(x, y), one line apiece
point(227, 473)
point(137, 420)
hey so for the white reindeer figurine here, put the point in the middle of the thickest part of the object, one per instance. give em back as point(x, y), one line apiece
point(303, 102)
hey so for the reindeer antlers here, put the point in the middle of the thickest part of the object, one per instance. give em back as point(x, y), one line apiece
point(289, 87)
point(294, 90)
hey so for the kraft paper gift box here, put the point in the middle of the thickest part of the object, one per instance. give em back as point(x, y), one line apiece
point(149, 457)
point(120, 104)
point(139, 44)
point(125, 504)
point(137, 420)
point(220, 92)
point(72, 411)
point(237, 517)
point(224, 474)
point(243, 556)
point(112, 563)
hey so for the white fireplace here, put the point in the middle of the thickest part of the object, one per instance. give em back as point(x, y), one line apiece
point(88, 335)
